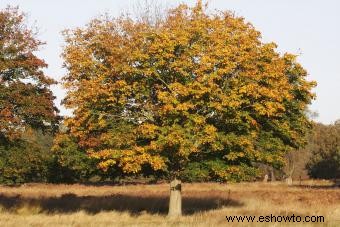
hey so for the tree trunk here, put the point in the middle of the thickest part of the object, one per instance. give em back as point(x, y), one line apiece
point(272, 175)
point(265, 179)
point(289, 180)
point(175, 204)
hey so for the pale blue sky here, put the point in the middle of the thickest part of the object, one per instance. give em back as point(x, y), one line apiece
point(307, 27)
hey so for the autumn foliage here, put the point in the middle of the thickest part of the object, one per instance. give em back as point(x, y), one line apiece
point(191, 90)
point(25, 98)
point(27, 112)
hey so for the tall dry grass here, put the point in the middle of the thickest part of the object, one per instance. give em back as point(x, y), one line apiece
point(204, 204)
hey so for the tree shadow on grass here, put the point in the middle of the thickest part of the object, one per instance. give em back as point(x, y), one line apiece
point(135, 204)
point(316, 186)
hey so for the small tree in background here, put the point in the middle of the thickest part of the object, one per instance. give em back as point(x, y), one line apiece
point(192, 88)
point(325, 150)
point(27, 159)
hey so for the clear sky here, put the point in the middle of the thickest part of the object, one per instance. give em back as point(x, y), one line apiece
point(309, 28)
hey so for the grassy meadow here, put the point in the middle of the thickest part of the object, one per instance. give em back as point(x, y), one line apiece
point(204, 204)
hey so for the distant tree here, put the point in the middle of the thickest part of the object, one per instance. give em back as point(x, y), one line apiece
point(25, 97)
point(194, 90)
point(296, 160)
point(325, 150)
point(26, 102)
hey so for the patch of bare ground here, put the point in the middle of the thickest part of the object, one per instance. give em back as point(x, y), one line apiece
point(204, 204)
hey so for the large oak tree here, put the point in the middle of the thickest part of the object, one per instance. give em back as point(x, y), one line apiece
point(192, 88)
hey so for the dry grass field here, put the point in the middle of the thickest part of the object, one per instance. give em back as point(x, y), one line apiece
point(205, 204)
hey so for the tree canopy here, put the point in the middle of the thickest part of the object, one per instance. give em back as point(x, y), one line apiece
point(192, 90)
point(25, 97)
point(27, 111)
point(325, 149)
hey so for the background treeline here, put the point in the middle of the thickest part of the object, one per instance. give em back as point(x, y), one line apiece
point(33, 159)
